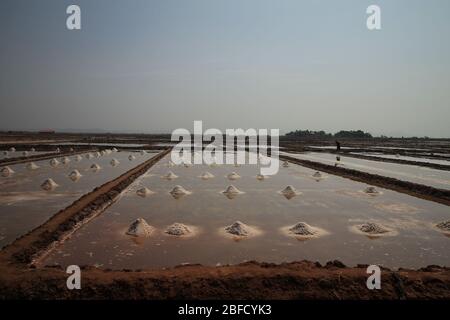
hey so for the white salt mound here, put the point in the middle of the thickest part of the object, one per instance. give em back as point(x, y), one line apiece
point(49, 184)
point(32, 149)
point(25, 153)
point(54, 162)
point(303, 229)
point(178, 229)
point(97, 154)
point(143, 152)
point(371, 190)
point(114, 149)
point(170, 176)
point(373, 228)
point(78, 158)
point(207, 175)
point(95, 167)
point(232, 190)
point(260, 177)
point(289, 192)
point(65, 160)
point(233, 176)
point(89, 156)
point(179, 191)
point(143, 192)
point(285, 164)
point(12, 149)
point(317, 174)
point(32, 166)
point(131, 157)
point(140, 228)
point(75, 175)
point(238, 229)
point(58, 150)
point(114, 162)
point(6, 171)
point(444, 226)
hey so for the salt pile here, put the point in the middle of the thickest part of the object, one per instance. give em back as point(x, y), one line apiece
point(95, 167)
point(140, 228)
point(102, 153)
point(32, 166)
point(317, 175)
point(373, 229)
point(143, 152)
point(32, 150)
point(25, 153)
point(114, 149)
point(75, 175)
point(143, 192)
point(58, 150)
point(49, 185)
point(12, 149)
point(302, 229)
point(371, 190)
point(206, 175)
point(54, 162)
point(233, 176)
point(260, 177)
point(114, 162)
point(178, 192)
point(131, 157)
point(97, 154)
point(6, 171)
point(89, 156)
point(444, 226)
point(170, 176)
point(289, 192)
point(285, 164)
point(178, 229)
point(78, 158)
point(65, 160)
point(231, 192)
point(71, 150)
point(238, 229)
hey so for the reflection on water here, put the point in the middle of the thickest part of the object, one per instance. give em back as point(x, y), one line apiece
point(333, 204)
point(23, 203)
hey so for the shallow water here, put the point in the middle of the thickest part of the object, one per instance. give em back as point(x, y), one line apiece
point(24, 205)
point(400, 157)
point(333, 204)
point(416, 174)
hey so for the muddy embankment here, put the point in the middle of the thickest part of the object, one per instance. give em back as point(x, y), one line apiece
point(250, 280)
point(414, 189)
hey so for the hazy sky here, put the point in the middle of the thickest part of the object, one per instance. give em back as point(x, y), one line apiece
point(153, 66)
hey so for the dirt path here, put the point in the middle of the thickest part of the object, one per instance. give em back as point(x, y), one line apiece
point(414, 189)
point(251, 280)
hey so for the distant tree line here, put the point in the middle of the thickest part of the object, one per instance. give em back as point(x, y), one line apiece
point(358, 134)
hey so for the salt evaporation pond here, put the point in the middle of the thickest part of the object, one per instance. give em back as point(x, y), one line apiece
point(24, 205)
point(417, 174)
point(17, 154)
point(333, 204)
point(401, 157)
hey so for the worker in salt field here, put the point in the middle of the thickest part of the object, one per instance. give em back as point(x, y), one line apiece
point(338, 146)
